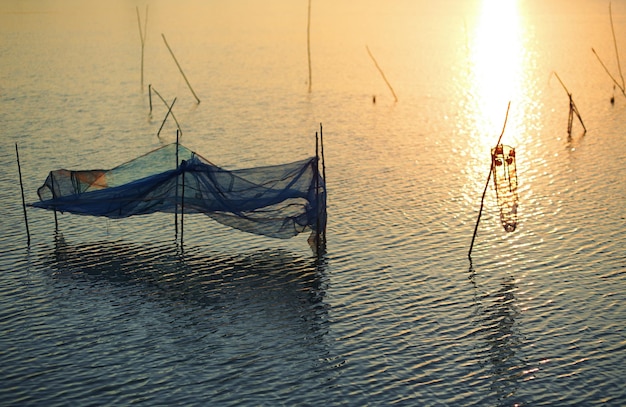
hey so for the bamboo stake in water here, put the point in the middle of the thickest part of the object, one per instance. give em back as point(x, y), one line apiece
point(142, 37)
point(150, 97)
point(166, 105)
point(621, 86)
point(318, 232)
point(619, 66)
point(176, 191)
point(482, 200)
point(180, 69)
point(381, 73)
point(182, 210)
point(19, 170)
point(308, 44)
point(572, 109)
point(56, 221)
point(322, 151)
point(167, 114)
point(324, 177)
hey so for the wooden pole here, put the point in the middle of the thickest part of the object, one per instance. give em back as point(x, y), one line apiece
point(142, 37)
point(322, 150)
point(56, 222)
point(164, 120)
point(482, 200)
point(575, 110)
point(19, 170)
point(622, 85)
point(150, 97)
point(572, 109)
point(167, 105)
point(317, 195)
point(609, 73)
point(381, 73)
point(324, 177)
point(308, 44)
point(176, 191)
point(182, 209)
point(619, 66)
point(180, 69)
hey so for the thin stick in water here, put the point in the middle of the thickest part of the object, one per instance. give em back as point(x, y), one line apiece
point(166, 115)
point(382, 73)
point(150, 97)
point(19, 170)
point(167, 105)
point(619, 66)
point(622, 85)
point(324, 177)
point(176, 191)
point(308, 44)
point(56, 221)
point(572, 109)
point(322, 151)
point(318, 233)
point(482, 200)
point(142, 37)
point(182, 209)
point(180, 69)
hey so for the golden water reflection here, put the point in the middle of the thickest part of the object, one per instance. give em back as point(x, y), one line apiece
point(496, 69)
point(502, 69)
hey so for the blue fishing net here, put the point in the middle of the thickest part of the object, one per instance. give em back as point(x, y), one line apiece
point(279, 201)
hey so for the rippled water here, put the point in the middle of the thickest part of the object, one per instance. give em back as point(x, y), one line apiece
point(114, 312)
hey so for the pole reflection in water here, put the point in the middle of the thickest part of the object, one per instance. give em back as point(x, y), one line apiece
point(501, 355)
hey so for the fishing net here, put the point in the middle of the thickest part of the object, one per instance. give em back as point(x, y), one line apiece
point(279, 201)
point(505, 182)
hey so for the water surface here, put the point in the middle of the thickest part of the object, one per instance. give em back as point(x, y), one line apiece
point(119, 312)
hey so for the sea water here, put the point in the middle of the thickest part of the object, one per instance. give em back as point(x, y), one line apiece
point(114, 312)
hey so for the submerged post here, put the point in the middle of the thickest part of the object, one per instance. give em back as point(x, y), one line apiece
point(19, 170)
point(482, 200)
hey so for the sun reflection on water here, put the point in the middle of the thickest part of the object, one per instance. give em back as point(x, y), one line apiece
point(496, 63)
point(501, 69)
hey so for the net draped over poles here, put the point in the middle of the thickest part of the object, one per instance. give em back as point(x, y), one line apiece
point(279, 201)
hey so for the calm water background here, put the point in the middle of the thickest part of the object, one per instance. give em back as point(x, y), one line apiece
point(117, 312)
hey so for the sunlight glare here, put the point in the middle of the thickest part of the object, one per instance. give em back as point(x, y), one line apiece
point(496, 63)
